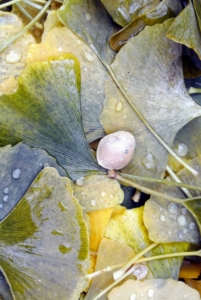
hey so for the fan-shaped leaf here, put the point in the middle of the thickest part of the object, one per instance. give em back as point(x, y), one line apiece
point(185, 29)
point(93, 73)
point(153, 81)
point(91, 22)
point(45, 113)
point(154, 289)
point(19, 167)
point(44, 242)
point(129, 229)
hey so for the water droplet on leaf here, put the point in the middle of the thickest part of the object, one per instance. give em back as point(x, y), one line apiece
point(172, 208)
point(119, 106)
point(149, 161)
point(181, 220)
point(16, 173)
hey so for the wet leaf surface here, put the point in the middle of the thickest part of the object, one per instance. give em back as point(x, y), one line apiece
point(129, 229)
point(154, 288)
point(154, 84)
point(44, 241)
point(19, 167)
point(45, 112)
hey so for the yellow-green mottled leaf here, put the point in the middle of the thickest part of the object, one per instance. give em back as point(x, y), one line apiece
point(93, 73)
point(45, 113)
point(154, 289)
point(129, 229)
point(153, 83)
point(97, 192)
point(185, 29)
point(44, 242)
point(19, 167)
point(91, 22)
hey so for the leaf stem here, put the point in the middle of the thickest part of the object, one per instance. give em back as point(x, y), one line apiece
point(126, 270)
point(27, 15)
point(142, 118)
point(176, 178)
point(16, 35)
point(162, 181)
point(113, 174)
point(193, 90)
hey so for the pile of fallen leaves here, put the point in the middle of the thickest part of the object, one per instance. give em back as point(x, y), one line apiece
point(69, 228)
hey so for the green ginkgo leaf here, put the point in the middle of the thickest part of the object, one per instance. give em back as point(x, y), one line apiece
point(186, 28)
point(91, 22)
point(45, 113)
point(44, 242)
point(153, 81)
point(19, 167)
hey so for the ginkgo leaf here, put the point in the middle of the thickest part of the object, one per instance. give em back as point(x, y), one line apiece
point(153, 289)
point(45, 113)
point(128, 228)
point(167, 221)
point(97, 192)
point(123, 12)
point(5, 293)
point(13, 58)
point(110, 253)
point(19, 167)
point(185, 29)
point(44, 242)
point(93, 81)
point(91, 22)
point(160, 12)
point(153, 81)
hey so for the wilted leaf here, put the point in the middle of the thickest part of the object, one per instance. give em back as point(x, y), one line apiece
point(19, 167)
point(157, 14)
point(91, 22)
point(98, 192)
point(129, 229)
point(110, 253)
point(190, 269)
point(45, 113)
point(13, 58)
point(153, 82)
point(93, 73)
point(153, 289)
point(185, 29)
point(195, 284)
point(44, 241)
point(123, 12)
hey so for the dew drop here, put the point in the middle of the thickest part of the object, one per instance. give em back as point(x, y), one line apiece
point(169, 232)
point(111, 195)
point(87, 17)
point(13, 57)
point(172, 208)
point(80, 181)
point(103, 194)
point(89, 56)
point(16, 173)
point(149, 161)
point(6, 190)
point(181, 220)
point(119, 106)
point(150, 293)
point(46, 165)
point(93, 202)
point(79, 42)
point(180, 236)
point(5, 198)
point(162, 218)
point(181, 149)
point(184, 211)
point(185, 230)
point(85, 69)
point(59, 49)
point(133, 296)
point(1, 206)
point(191, 226)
